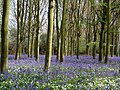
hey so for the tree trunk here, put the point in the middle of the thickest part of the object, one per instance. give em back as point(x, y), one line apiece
point(108, 33)
point(117, 44)
point(102, 33)
point(49, 35)
point(17, 55)
point(78, 41)
point(63, 27)
point(58, 32)
point(113, 43)
point(37, 32)
point(4, 36)
point(29, 29)
point(95, 32)
point(32, 45)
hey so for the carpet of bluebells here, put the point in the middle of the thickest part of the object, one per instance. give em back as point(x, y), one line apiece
point(84, 73)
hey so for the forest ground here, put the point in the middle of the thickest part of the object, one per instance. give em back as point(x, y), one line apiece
point(84, 73)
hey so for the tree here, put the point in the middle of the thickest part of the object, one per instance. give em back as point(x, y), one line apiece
point(37, 31)
point(88, 28)
point(108, 31)
point(49, 35)
point(79, 21)
point(30, 27)
point(103, 23)
point(21, 16)
point(58, 32)
point(18, 44)
point(1, 2)
point(63, 27)
point(4, 36)
point(94, 30)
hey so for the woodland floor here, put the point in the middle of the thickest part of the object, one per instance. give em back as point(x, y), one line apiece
point(84, 73)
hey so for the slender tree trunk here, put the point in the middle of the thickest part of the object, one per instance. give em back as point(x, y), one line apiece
point(78, 29)
point(71, 40)
point(102, 33)
point(32, 45)
point(66, 41)
point(37, 32)
point(63, 27)
point(104, 44)
point(116, 49)
point(30, 27)
point(68, 53)
point(94, 46)
point(73, 43)
point(101, 43)
point(88, 34)
point(113, 43)
point(4, 36)
point(78, 41)
point(49, 35)
point(35, 27)
point(95, 32)
point(89, 39)
point(17, 55)
point(108, 33)
point(87, 47)
point(117, 44)
point(22, 28)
